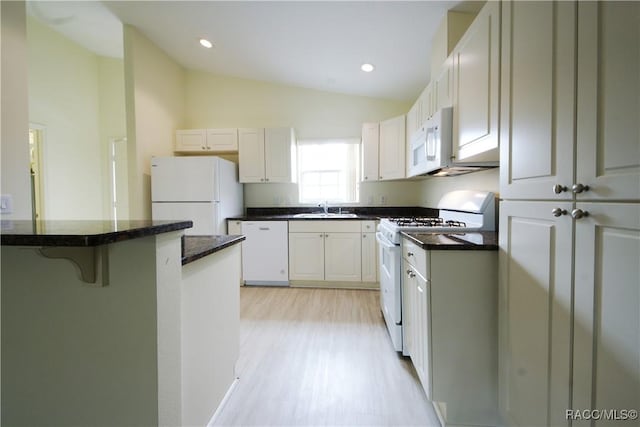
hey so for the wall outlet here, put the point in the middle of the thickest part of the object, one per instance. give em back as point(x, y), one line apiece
point(6, 203)
point(383, 200)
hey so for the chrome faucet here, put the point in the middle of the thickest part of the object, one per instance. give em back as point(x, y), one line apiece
point(325, 206)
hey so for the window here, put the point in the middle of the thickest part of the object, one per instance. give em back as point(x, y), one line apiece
point(328, 170)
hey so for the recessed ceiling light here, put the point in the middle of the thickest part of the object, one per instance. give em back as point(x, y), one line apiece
point(367, 68)
point(206, 43)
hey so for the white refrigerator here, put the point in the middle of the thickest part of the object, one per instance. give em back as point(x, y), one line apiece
point(204, 190)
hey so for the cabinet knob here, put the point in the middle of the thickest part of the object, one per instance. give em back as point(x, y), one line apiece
point(364, 236)
point(322, 235)
point(204, 148)
point(579, 213)
point(409, 253)
point(579, 188)
point(380, 177)
point(366, 178)
point(411, 274)
point(261, 179)
point(266, 179)
point(559, 188)
point(558, 211)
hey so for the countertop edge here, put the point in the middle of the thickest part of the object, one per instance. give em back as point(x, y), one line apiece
point(213, 247)
point(455, 243)
point(145, 229)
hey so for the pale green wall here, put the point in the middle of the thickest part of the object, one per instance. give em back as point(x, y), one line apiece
point(14, 146)
point(79, 99)
point(221, 101)
point(155, 109)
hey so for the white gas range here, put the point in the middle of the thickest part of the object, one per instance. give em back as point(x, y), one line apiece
point(459, 211)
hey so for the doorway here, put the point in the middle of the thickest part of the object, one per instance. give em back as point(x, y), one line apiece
point(118, 179)
point(36, 144)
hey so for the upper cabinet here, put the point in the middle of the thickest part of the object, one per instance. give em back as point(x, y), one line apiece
point(443, 86)
point(538, 99)
point(206, 140)
point(392, 149)
point(383, 150)
point(543, 132)
point(370, 145)
point(608, 99)
point(266, 155)
point(476, 89)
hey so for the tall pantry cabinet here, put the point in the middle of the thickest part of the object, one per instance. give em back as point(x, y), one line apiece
point(570, 215)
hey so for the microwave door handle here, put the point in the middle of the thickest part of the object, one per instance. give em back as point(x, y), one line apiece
point(430, 145)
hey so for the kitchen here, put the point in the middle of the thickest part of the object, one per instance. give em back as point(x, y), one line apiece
point(227, 99)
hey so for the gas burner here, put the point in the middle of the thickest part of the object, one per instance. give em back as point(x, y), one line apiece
point(418, 222)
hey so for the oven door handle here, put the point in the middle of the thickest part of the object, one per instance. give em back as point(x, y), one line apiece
point(383, 241)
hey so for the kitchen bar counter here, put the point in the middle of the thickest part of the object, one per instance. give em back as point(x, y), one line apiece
point(138, 324)
point(81, 233)
point(196, 247)
point(473, 241)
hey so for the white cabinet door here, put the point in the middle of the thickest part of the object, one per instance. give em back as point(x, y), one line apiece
point(608, 127)
point(392, 148)
point(251, 155)
point(369, 258)
point(538, 95)
point(191, 140)
point(306, 256)
point(476, 88)
point(606, 368)
point(342, 257)
point(535, 312)
point(408, 308)
point(370, 143)
point(412, 123)
point(426, 105)
point(422, 335)
point(443, 86)
point(278, 143)
point(220, 140)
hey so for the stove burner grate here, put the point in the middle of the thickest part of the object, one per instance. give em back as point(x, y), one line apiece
point(426, 222)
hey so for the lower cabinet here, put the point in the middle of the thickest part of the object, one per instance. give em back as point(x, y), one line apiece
point(451, 331)
point(332, 253)
point(569, 317)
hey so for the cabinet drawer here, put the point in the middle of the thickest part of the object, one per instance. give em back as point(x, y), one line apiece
point(368, 226)
point(326, 226)
point(416, 256)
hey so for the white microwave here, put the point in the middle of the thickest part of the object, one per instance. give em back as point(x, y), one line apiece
point(431, 144)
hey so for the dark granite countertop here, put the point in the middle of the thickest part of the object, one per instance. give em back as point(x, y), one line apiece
point(81, 232)
point(361, 212)
point(474, 241)
point(196, 247)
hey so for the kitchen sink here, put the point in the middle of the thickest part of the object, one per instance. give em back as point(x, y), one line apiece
point(325, 215)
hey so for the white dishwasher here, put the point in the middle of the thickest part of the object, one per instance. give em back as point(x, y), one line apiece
point(265, 253)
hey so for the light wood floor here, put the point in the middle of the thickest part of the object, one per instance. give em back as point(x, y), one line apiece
point(320, 357)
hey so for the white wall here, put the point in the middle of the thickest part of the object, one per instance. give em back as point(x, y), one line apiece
point(155, 89)
point(395, 193)
point(433, 188)
point(14, 145)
